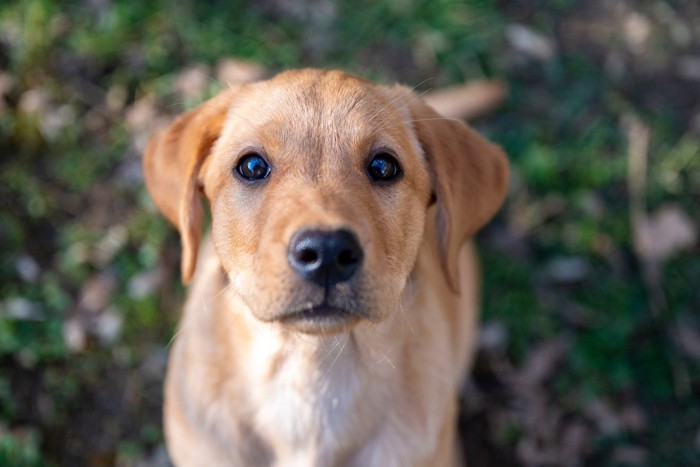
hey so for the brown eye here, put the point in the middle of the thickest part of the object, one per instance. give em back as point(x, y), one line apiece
point(383, 167)
point(253, 167)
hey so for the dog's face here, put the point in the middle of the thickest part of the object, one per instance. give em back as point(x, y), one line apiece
point(318, 185)
point(318, 196)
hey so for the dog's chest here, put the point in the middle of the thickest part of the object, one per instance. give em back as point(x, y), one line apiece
point(335, 405)
point(307, 401)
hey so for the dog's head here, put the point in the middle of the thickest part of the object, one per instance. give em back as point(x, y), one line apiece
point(319, 184)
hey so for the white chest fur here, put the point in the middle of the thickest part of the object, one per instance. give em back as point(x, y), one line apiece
point(325, 401)
point(307, 393)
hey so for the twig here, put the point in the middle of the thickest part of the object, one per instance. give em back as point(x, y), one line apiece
point(638, 152)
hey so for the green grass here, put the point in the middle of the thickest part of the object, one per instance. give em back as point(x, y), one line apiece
point(562, 128)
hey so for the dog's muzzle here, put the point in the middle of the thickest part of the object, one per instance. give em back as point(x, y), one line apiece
point(327, 261)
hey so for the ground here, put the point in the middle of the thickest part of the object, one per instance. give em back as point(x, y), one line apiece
point(590, 348)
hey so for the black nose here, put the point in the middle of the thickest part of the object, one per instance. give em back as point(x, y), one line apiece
point(325, 257)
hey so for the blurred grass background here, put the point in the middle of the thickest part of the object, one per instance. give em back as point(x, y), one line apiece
point(590, 352)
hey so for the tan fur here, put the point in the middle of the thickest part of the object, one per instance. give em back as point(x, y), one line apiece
point(245, 389)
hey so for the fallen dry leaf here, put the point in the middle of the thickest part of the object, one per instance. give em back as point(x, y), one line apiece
point(94, 317)
point(146, 283)
point(114, 240)
point(231, 71)
point(687, 338)
point(142, 118)
point(107, 325)
point(34, 101)
point(636, 30)
point(20, 308)
point(27, 268)
point(688, 67)
point(633, 418)
point(530, 42)
point(141, 113)
point(542, 362)
point(603, 415)
point(493, 336)
point(666, 232)
point(97, 292)
point(191, 82)
point(567, 270)
point(74, 334)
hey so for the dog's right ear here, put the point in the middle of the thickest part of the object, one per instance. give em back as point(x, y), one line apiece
point(172, 164)
point(469, 176)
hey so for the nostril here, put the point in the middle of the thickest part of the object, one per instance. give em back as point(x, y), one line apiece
point(307, 256)
point(348, 257)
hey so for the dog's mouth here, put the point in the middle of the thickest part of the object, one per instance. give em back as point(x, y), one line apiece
point(321, 319)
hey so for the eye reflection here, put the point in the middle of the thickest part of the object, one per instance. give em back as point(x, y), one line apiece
point(383, 167)
point(253, 167)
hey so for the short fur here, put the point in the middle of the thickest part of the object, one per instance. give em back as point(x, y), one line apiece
point(244, 388)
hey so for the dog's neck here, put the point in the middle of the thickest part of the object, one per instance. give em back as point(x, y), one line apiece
point(311, 390)
point(320, 360)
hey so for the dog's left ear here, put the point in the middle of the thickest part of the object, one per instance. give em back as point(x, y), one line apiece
point(172, 163)
point(469, 178)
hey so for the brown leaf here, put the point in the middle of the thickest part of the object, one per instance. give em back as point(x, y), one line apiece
point(27, 268)
point(74, 334)
point(146, 282)
point(687, 337)
point(34, 101)
point(97, 292)
point(604, 416)
point(530, 43)
point(636, 30)
point(21, 308)
point(542, 362)
point(567, 270)
point(689, 67)
point(231, 71)
point(107, 325)
point(142, 118)
point(633, 418)
point(141, 113)
point(114, 240)
point(666, 232)
point(191, 82)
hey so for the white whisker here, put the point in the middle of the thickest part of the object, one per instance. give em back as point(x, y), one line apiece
point(347, 337)
point(436, 118)
point(397, 98)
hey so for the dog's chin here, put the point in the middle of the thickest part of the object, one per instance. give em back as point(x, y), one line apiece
point(321, 320)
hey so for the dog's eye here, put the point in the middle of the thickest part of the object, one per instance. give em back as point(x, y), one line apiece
point(383, 167)
point(253, 167)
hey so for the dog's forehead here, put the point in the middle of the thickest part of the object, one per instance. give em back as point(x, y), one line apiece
point(318, 109)
point(315, 96)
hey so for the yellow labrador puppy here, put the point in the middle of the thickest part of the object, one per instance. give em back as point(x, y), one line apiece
point(333, 308)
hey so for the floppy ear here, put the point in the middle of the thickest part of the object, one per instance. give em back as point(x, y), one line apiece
point(469, 178)
point(172, 163)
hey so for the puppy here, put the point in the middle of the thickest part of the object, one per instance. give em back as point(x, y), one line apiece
point(333, 306)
